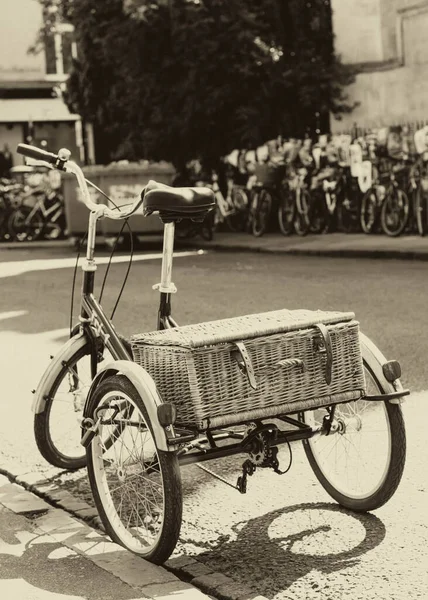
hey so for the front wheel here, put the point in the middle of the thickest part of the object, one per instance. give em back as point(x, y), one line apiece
point(239, 207)
point(361, 464)
point(369, 210)
point(395, 212)
point(286, 210)
point(136, 487)
point(421, 211)
point(262, 209)
point(302, 217)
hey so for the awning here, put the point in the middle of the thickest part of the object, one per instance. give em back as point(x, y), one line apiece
point(35, 110)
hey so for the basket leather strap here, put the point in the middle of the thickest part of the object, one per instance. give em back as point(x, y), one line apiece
point(322, 345)
point(244, 362)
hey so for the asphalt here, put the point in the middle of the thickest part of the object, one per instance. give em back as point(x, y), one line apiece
point(405, 247)
point(29, 512)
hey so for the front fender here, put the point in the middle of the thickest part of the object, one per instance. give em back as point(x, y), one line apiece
point(375, 360)
point(145, 386)
point(47, 380)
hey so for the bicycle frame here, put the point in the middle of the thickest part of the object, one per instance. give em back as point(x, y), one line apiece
point(39, 206)
point(91, 312)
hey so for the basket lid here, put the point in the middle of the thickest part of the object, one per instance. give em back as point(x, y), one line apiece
point(240, 328)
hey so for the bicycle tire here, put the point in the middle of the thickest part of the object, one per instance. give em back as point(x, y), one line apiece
point(395, 212)
point(262, 213)
point(369, 210)
point(237, 219)
point(152, 471)
point(286, 210)
point(61, 450)
point(206, 232)
point(316, 217)
point(421, 213)
point(319, 451)
point(302, 219)
point(347, 216)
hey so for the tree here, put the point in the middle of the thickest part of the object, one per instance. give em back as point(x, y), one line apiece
point(174, 79)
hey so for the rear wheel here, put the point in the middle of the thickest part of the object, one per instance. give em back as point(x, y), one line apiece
point(136, 487)
point(395, 212)
point(262, 211)
point(57, 429)
point(361, 464)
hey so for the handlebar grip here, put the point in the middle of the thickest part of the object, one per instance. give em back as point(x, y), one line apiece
point(37, 153)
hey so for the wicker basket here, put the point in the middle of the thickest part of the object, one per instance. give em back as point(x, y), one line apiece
point(231, 371)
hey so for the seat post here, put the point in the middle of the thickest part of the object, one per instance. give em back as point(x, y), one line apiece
point(168, 251)
point(166, 286)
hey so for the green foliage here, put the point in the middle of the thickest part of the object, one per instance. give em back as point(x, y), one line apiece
point(174, 79)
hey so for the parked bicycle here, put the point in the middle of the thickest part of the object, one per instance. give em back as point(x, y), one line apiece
point(294, 203)
point(231, 209)
point(386, 205)
point(10, 192)
point(40, 214)
point(187, 394)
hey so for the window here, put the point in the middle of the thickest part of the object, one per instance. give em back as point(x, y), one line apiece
point(60, 49)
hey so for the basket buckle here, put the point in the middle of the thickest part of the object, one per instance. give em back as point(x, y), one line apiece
point(245, 365)
point(322, 345)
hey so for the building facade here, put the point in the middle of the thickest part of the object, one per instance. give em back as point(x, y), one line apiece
point(387, 42)
point(31, 105)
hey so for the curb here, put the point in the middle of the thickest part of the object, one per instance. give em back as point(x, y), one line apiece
point(181, 578)
point(272, 246)
point(370, 253)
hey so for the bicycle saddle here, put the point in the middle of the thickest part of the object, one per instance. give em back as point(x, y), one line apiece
point(174, 204)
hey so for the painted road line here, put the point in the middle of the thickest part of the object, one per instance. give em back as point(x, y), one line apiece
point(11, 314)
point(20, 267)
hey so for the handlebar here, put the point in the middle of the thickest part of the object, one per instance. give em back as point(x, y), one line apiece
point(39, 154)
point(61, 161)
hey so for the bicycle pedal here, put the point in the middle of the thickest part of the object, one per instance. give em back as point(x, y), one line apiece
point(241, 484)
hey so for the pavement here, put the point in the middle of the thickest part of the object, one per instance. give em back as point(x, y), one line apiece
point(52, 544)
point(406, 247)
point(46, 554)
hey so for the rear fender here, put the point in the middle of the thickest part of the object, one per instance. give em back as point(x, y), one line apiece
point(375, 360)
point(51, 373)
point(146, 388)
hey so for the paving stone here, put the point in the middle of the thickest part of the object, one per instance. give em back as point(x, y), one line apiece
point(174, 591)
point(133, 570)
point(4, 481)
point(87, 513)
point(178, 562)
point(195, 570)
point(57, 520)
point(73, 504)
point(18, 500)
point(210, 583)
point(234, 591)
point(31, 479)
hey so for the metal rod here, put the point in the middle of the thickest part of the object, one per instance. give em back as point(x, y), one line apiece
point(168, 250)
point(210, 454)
